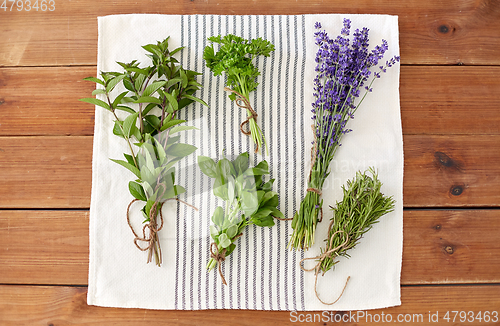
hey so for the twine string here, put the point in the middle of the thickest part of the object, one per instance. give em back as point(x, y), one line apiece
point(152, 238)
point(243, 103)
point(220, 256)
point(316, 268)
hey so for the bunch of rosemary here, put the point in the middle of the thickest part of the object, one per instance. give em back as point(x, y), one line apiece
point(362, 205)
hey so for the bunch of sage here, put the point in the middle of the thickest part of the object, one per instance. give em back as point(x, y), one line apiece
point(249, 200)
point(152, 97)
point(362, 205)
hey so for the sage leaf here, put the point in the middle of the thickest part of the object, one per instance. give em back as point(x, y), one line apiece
point(218, 216)
point(224, 241)
point(180, 150)
point(249, 203)
point(232, 231)
point(207, 166)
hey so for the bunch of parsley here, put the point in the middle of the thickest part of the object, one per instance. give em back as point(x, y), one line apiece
point(235, 57)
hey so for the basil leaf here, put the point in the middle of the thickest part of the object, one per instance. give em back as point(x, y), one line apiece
point(268, 186)
point(128, 123)
point(170, 123)
point(129, 166)
point(270, 199)
point(97, 102)
point(276, 212)
point(263, 221)
point(230, 249)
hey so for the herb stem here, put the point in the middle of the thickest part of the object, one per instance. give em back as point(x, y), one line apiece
point(121, 128)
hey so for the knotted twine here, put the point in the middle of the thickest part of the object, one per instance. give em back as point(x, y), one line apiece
point(153, 229)
point(329, 250)
point(243, 103)
point(220, 256)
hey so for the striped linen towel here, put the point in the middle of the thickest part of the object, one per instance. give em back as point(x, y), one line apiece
point(261, 273)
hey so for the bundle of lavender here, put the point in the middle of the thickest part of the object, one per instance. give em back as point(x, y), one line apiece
point(342, 70)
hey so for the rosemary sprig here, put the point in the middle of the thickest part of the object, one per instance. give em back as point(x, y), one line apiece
point(361, 207)
point(363, 204)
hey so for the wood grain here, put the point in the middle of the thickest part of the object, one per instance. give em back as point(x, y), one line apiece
point(42, 305)
point(44, 247)
point(451, 246)
point(454, 171)
point(44, 101)
point(434, 100)
point(450, 100)
point(440, 246)
point(440, 171)
point(431, 32)
point(45, 172)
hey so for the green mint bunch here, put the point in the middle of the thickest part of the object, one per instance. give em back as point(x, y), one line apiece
point(249, 200)
point(152, 97)
point(235, 58)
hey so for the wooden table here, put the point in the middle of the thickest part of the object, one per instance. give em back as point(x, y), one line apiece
point(450, 106)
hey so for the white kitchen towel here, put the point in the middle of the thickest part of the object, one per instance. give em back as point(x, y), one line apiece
point(261, 273)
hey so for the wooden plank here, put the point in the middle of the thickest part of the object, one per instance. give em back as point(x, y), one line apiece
point(45, 172)
point(451, 246)
point(452, 171)
point(431, 32)
point(434, 100)
point(44, 247)
point(440, 171)
point(41, 305)
point(450, 100)
point(44, 101)
point(440, 246)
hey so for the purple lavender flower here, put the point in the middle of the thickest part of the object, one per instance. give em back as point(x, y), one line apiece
point(342, 67)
